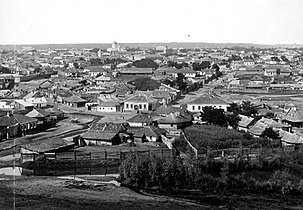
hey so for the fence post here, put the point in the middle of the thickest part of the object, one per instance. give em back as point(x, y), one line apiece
point(120, 154)
point(162, 153)
point(75, 155)
point(90, 156)
point(105, 154)
point(55, 156)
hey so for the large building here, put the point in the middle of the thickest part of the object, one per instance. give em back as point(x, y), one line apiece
point(206, 100)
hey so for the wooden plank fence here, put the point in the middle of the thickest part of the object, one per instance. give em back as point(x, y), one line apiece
point(245, 152)
point(100, 155)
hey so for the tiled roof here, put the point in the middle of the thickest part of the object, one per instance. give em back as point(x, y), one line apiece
point(244, 121)
point(291, 138)
point(294, 115)
point(38, 113)
point(141, 98)
point(15, 119)
point(207, 99)
point(141, 117)
point(257, 129)
point(103, 131)
point(74, 99)
point(149, 131)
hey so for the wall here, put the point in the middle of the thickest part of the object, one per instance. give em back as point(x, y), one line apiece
point(197, 106)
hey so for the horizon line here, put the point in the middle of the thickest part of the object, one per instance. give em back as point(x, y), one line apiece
point(155, 42)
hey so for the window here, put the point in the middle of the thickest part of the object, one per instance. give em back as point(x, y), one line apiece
point(140, 106)
point(144, 106)
point(131, 106)
point(193, 107)
point(171, 125)
point(199, 107)
point(126, 106)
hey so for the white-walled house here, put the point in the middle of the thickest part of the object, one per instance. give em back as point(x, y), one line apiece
point(140, 102)
point(108, 106)
point(207, 100)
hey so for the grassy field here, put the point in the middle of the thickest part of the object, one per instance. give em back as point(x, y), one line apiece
point(69, 193)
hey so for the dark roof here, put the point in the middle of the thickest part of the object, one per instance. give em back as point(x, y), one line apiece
point(142, 118)
point(103, 131)
point(64, 93)
point(15, 119)
point(74, 99)
point(48, 144)
point(149, 131)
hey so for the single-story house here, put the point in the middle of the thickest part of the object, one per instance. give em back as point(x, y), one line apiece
point(105, 134)
point(148, 134)
point(206, 100)
point(141, 119)
point(74, 101)
point(12, 125)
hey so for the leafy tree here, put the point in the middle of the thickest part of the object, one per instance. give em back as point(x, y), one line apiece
point(270, 133)
point(283, 58)
point(181, 85)
point(96, 62)
point(168, 82)
point(214, 116)
point(248, 109)
point(235, 108)
point(215, 66)
point(233, 120)
point(76, 65)
point(145, 63)
point(4, 70)
point(177, 65)
point(274, 58)
point(202, 65)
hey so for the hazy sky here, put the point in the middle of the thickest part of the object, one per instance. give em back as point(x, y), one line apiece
point(103, 21)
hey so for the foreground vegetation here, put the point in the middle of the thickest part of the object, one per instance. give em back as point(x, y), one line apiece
point(279, 176)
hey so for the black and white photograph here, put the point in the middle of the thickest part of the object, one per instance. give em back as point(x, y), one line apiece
point(151, 104)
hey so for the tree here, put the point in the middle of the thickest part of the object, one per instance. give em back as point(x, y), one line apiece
point(180, 82)
point(145, 63)
point(248, 109)
point(270, 133)
point(96, 62)
point(233, 120)
point(168, 82)
point(214, 116)
point(202, 65)
point(234, 108)
point(76, 65)
point(215, 66)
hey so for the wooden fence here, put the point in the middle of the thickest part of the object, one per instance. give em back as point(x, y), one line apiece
point(244, 152)
point(101, 155)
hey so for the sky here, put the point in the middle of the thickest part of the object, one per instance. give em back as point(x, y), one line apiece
point(135, 21)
